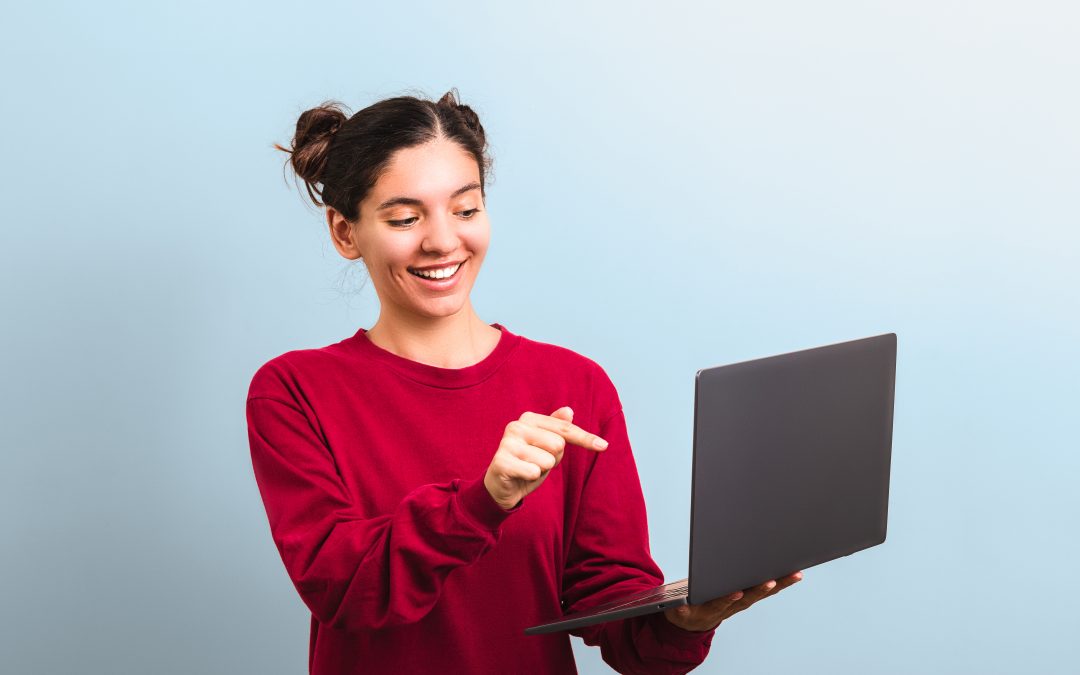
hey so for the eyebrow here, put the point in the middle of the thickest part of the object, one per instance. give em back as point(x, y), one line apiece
point(410, 201)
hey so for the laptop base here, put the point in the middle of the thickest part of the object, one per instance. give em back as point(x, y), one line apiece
point(634, 604)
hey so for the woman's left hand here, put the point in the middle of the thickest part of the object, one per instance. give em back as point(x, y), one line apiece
point(709, 615)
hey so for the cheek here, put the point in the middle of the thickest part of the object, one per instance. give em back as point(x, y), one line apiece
point(476, 260)
point(401, 253)
point(478, 241)
point(478, 248)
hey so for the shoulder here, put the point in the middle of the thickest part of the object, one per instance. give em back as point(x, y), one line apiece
point(581, 369)
point(280, 377)
point(553, 354)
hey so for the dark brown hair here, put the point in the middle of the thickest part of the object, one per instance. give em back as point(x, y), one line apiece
point(340, 158)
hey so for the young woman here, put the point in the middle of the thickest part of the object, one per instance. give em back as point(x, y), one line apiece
point(436, 484)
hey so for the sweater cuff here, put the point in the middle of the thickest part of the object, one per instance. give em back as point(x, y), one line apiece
point(476, 501)
point(680, 638)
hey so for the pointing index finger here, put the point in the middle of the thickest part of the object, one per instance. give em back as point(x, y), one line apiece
point(572, 433)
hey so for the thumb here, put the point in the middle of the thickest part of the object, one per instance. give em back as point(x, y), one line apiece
point(565, 412)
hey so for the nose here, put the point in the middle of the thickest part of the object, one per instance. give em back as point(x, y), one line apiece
point(441, 236)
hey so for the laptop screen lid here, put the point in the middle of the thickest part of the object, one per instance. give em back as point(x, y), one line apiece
point(791, 462)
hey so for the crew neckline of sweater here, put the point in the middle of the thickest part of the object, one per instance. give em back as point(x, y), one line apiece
point(444, 378)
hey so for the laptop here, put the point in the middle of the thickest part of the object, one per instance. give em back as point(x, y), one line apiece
point(791, 465)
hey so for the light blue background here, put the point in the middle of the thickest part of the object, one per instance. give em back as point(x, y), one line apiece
point(677, 185)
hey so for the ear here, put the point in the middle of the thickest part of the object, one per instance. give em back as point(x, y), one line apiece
point(342, 234)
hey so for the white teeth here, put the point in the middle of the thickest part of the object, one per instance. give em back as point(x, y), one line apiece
point(437, 274)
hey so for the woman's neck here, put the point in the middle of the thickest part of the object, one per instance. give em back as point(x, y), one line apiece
point(457, 341)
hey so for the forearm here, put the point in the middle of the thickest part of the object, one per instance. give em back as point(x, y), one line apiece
point(379, 572)
point(648, 644)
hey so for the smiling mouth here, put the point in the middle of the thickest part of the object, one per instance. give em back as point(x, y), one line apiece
point(457, 269)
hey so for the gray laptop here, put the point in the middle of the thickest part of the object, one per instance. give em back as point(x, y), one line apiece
point(791, 470)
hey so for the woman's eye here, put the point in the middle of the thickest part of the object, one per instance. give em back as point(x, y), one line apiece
point(468, 213)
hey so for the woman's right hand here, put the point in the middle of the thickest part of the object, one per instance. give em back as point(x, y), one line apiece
point(531, 447)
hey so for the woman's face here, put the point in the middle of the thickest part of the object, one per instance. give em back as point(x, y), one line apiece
point(425, 210)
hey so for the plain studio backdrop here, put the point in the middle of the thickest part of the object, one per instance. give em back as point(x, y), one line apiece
point(676, 186)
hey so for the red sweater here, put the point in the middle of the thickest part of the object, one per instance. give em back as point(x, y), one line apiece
point(371, 469)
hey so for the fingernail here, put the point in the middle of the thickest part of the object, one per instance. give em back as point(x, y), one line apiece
point(600, 443)
point(771, 585)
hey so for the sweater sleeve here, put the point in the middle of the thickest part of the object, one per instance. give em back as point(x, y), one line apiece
point(609, 556)
point(357, 570)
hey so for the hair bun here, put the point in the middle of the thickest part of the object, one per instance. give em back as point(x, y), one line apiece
point(315, 131)
point(471, 119)
point(464, 113)
point(319, 123)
